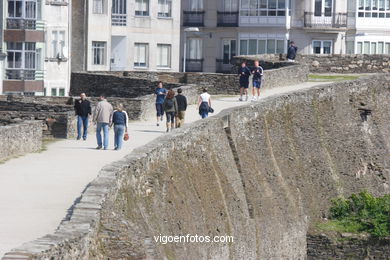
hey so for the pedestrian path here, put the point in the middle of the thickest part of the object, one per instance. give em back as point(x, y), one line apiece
point(37, 189)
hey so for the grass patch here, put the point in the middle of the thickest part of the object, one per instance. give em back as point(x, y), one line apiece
point(319, 77)
point(360, 213)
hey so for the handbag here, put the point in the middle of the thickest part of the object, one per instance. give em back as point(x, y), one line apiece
point(211, 110)
point(126, 137)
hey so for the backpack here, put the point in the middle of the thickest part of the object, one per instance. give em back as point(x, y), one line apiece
point(169, 103)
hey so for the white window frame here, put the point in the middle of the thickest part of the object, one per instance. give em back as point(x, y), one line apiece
point(267, 43)
point(99, 6)
point(373, 9)
point(160, 62)
point(263, 8)
point(322, 46)
point(99, 52)
point(324, 12)
point(138, 55)
point(58, 44)
point(232, 52)
point(28, 59)
point(164, 9)
point(139, 11)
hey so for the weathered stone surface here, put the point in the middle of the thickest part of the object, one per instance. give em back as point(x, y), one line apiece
point(261, 172)
point(20, 138)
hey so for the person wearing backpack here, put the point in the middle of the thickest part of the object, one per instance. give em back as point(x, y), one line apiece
point(120, 120)
point(171, 109)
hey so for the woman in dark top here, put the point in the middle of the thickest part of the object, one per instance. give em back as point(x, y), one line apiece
point(170, 108)
point(120, 120)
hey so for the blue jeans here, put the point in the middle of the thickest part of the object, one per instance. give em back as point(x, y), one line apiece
point(204, 114)
point(82, 122)
point(99, 128)
point(119, 131)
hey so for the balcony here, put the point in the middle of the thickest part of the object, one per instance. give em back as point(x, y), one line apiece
point(21, 24)
point(325, 21)
point(194, 65)
point(23, 74)
point(227, 19)
point(193, 18)
point(119, 19)
point(224, 66)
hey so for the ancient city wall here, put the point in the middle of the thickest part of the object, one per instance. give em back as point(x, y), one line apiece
point(262, 173)
point(19, 138)
point(334, 63)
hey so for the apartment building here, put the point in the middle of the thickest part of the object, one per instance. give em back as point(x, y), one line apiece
point(118, 35)
point(37, 44)
point(2, 55)
point(247, 27)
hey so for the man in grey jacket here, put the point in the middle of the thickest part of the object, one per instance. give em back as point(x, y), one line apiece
point(103, 118)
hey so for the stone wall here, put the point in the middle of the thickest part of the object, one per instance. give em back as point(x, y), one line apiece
point(261, 173)
point(322, 247)
point(20, 138)
point(335, 63)
point(113, 85)
point(228, 84)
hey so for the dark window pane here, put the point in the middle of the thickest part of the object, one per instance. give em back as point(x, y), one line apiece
point(317, 7)
point(281, 13)
point(271, 13)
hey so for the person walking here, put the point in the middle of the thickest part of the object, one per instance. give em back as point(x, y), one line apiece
point(204, 104)
point(102, 117)
point(170, 108)
point(120, 120)
point(181, 107)
point(292, 52)
point(244, 72)
point(82, 108)
point(160, 93)
point(257, 72)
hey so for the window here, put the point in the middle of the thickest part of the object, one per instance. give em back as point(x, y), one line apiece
point(263, 8)
point(57, 44)
point(119, 13)
point(15, 54)
point(381, 47)
point(359, 49)
point(54, 92)
point(142, 7)
point(280, 46)
point(195, 46)
point(22, 9)
point(98, 6)
point(243, 47)
point(374, 8)
point(229, 50)
point(350, 47)
point(373, 48)
point(164, 55)
point(99, 53)
point(271, 46)
point(21, 60)
point(262, 46)
point(164, 8)
point(387, 48)
point(366, 49)
point(323, 8)
point(252, 47)
point(62, 92)
point(322, 47)
point(141, 55)
point(230, 5)
point(196, 5)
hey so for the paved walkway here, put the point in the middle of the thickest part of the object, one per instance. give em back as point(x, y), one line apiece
point(37, 189)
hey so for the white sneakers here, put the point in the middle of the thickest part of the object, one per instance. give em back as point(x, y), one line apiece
point(254, 99)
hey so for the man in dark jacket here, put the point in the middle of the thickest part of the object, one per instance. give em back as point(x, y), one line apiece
point(82, 108)
point(292, 52)
point(244, 72)
point(181, 107)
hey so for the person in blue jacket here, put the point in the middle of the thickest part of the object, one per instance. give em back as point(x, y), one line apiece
point(160, 93)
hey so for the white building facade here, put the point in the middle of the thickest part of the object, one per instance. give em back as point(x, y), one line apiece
point(248, 27)
point(120, 35)
point(37, 44)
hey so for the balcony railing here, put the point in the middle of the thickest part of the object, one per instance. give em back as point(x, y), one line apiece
point(21, 24)
point(24, 74)
point(224, 66)
point(227, 19)
point(194, 65)
point(326, 20)
point(193, 18)
point(119, 19)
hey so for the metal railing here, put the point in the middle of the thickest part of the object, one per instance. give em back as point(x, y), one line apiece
point(193, 18)
point(21, 24)
point(227, 19)
point(24, 74)
point(325, 20)
point(194, 65)
point(223, 66)
point(119, 19)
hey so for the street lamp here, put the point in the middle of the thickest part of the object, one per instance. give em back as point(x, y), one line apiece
point(189, 29)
